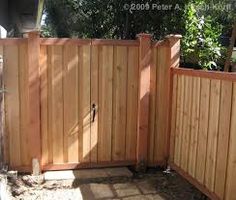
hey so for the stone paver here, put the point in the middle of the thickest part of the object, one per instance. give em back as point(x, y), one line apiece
point(126, 189)
point(101, 191)
point(138, 197)
point(144, 197)
point(146, 187)
point(155, 185)
point(90, 174)
point(154, 197)
point(84, 174)
point(120, 171)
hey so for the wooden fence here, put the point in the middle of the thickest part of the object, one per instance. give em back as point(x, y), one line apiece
point(1, 110)
point(203, 140)
point(73, 103)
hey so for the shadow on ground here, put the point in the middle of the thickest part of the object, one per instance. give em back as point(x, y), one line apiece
point(155, 184)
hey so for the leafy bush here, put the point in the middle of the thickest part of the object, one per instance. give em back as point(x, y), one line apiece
point(201, 40)
point(234, 59)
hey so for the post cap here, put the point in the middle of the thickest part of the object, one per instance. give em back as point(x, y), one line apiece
point(33, 32)
point(172, 36)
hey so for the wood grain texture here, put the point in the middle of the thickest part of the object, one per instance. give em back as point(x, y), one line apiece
point(57, 105)
point(44, 104)
point(119, 103)
point(3, 135)
point(212, 134)
point(152, 111)
point(206, 74)
point(173, 117)
point(187, 115)
point(211, 152)
point(34, 95)
point(49, 97)
point(231, 168)
point(105, 103)
point(203, 129)
point(84, 104)
point(132, 103)
point(223, 137)
point(144, 97)
point(194, 126)
point(24, 104)
point(179, 122)
point(71, 93)
point(94, 100)
point(11, 80)
point(161, 105)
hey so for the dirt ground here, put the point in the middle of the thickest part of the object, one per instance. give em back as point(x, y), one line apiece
point(155, 184)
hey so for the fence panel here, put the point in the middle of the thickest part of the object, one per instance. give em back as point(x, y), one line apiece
point(2, 134)
point(57, 85)
point(231, 168)
point(15, 70)
point(202, 130)
point(75, 78)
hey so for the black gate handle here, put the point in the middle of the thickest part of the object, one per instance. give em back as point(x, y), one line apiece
point(94, 112)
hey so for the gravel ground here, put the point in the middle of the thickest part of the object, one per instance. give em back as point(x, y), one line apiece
point(155, 184)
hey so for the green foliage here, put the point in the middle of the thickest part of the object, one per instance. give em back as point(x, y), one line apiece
point(109, 18)
point(201, 40)
point(201, 28)
point(234, 59)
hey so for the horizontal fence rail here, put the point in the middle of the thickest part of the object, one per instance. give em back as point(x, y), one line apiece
point(203, 142)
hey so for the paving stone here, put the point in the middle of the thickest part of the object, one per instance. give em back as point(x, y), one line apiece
point(101, 191)
point(138, 197)
point(61, 195)
point(117, 172)
point(146, 187)
point(154, 197)
point(73, 174)
point(86, 192)
point(144, 197)
point(126, 189)
point(87, 174)
point(90, 174)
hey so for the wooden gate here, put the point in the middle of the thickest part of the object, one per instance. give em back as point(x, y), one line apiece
point(89, 96)
point(70, 103)
point(74, 103)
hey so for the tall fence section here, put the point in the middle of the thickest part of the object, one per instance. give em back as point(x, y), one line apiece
point(73, 103)
point(203, 140)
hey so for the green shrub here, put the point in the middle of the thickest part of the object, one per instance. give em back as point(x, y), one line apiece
point(201, 40)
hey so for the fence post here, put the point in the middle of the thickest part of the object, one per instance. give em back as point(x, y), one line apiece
point(2, 136)
point(173, 62)
point(143, 99)
point(34, 96)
